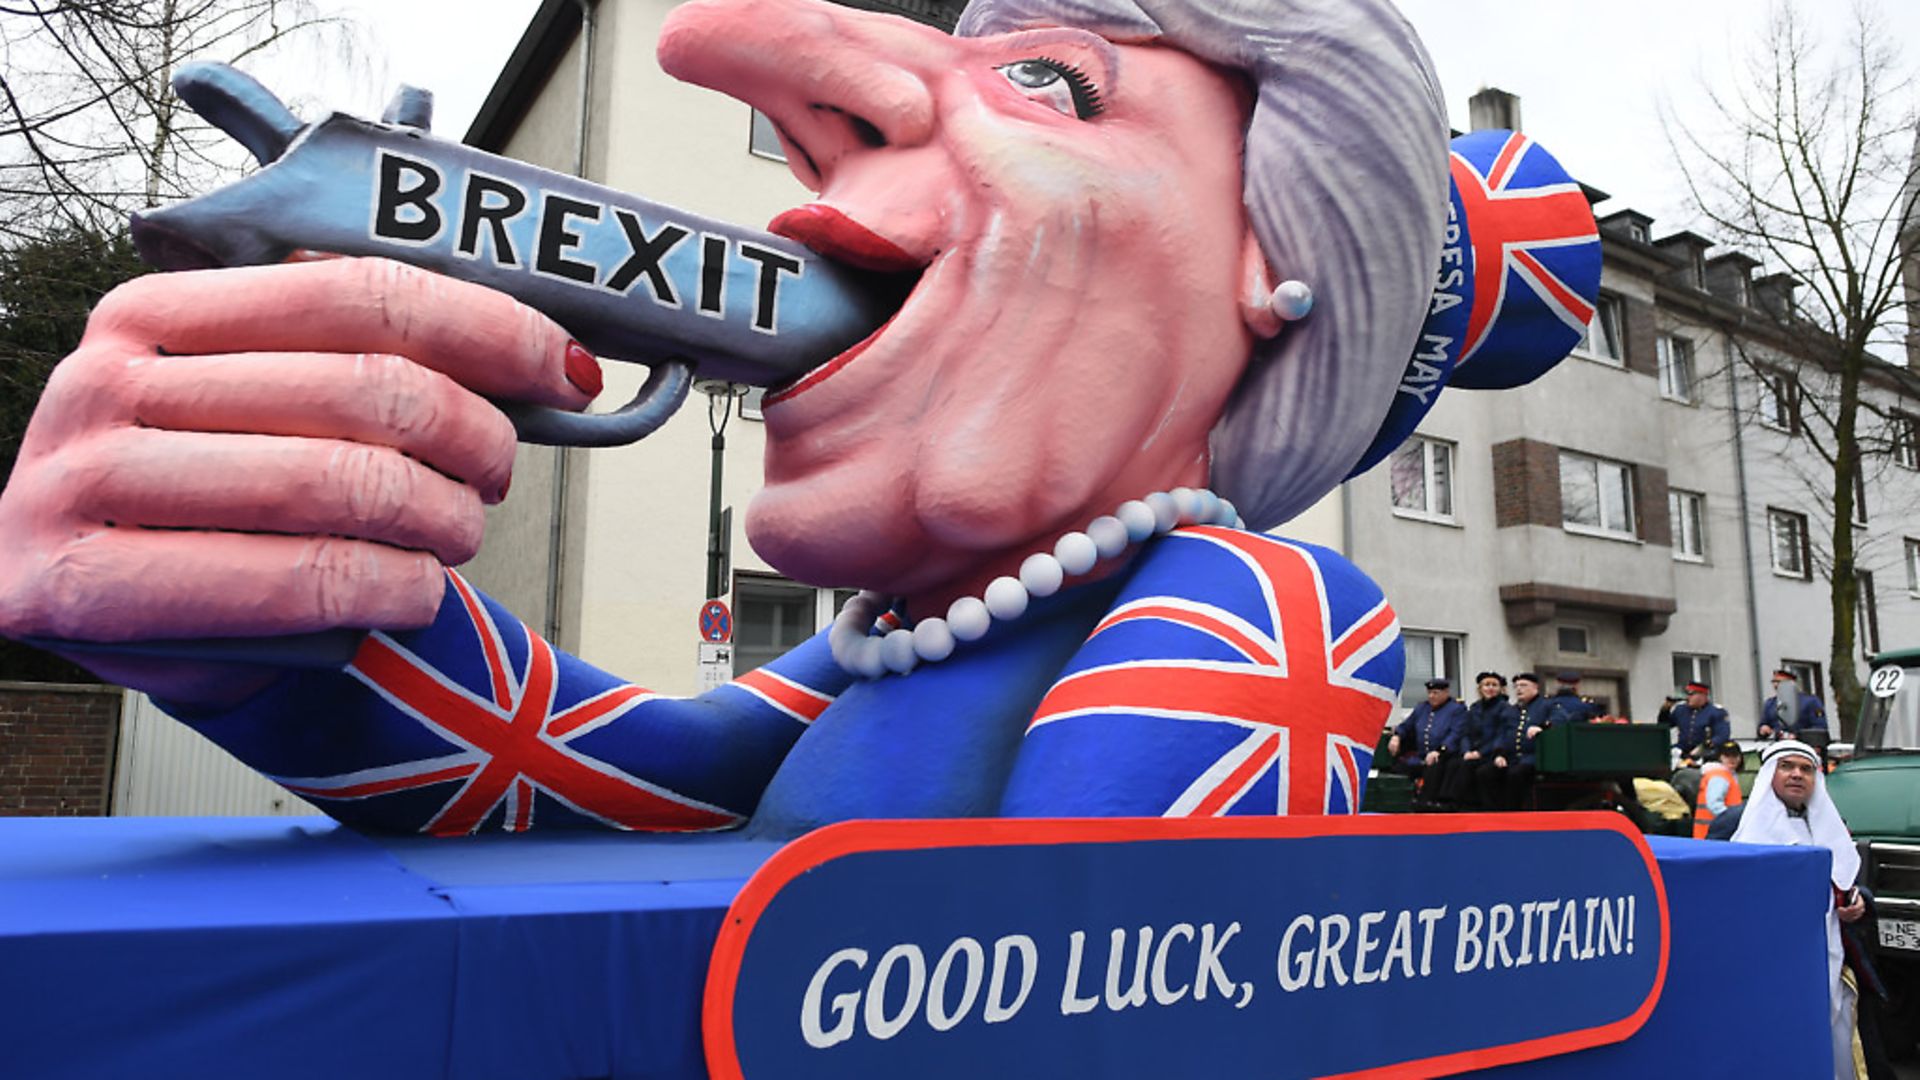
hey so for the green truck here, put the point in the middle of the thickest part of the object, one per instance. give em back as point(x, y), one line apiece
point(1877, 788)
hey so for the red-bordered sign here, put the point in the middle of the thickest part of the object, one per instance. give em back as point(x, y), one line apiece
point(716, 622)
point(823, 909)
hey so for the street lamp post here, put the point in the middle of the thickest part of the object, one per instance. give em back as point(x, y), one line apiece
point(720, 398)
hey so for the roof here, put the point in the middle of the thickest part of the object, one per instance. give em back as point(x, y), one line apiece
point(1627, 214)
point(541, 46)
point(1684, 237)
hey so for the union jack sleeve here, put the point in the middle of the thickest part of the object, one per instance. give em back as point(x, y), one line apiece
point(1237, 674)
point(477, 723)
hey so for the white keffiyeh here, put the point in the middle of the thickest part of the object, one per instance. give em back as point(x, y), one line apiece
point(1767, 820)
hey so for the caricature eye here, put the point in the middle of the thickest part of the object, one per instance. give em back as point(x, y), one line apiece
point(1064, 87)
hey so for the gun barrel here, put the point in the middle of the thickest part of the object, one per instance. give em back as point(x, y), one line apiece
point(629, 278)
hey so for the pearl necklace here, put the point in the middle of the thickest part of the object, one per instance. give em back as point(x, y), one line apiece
point(869, 641)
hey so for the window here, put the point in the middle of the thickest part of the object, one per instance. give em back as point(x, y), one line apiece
point(1602, 341)
point(772, 615)
point(1788, 533)
point(1693, 667)
point(1596, 496)
point(1575, 640)
point(1430, 655)
point(1906, 441)
point(1676, 367)
point(1637, 232)
point(763, 140)
point(1687, 513)
point(1913, 566)
point(750, 403)
point(1859, 494)
point(1806, 675)
point(1868, 610)
point(1422, 478)
point(1777, 404)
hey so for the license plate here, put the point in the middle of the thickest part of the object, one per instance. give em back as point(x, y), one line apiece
point(1900, 934)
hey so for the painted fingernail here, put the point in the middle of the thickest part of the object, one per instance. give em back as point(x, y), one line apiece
point(583, 371)
point(504, 485)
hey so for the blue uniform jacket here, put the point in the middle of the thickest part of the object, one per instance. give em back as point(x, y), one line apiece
point(1506, 731)
point(1567, 707)
point(1427, 729)
point(1707, 724)
point(1490, 724)
point(1813, 715)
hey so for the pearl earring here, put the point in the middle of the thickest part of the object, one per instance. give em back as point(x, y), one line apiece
point(1292, 300)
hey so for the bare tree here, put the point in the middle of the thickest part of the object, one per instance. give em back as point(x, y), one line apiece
point(1807, 161)
point(89, 129)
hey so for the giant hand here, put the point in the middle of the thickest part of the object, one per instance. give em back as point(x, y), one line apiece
point(267, 451)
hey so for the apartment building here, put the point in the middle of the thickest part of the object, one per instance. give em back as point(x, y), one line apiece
point(1654, 510)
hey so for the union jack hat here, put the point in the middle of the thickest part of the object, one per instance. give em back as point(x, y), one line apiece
point(1518, 280)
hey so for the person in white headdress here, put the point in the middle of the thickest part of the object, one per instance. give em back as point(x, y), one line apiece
point(1790, 806)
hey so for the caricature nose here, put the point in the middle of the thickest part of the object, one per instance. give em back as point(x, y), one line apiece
point(835, 79)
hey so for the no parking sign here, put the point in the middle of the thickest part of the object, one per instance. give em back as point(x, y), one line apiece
point(716, 622)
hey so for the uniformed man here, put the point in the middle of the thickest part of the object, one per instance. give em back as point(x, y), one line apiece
point(1429, 741)
point(1698, 724)
point(1489, 719)
point(1792, 712)
point(1566, 706)
point(1505, 771)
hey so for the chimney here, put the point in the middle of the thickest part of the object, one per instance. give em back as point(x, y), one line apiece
point(1774, 294)
point(1491, 108)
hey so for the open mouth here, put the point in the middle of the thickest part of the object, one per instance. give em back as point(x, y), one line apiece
point(892, 274)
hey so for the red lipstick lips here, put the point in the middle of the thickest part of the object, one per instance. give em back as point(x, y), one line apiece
point(829, 232)
point(842, 239)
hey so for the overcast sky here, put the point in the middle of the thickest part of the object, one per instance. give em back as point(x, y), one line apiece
point(1591, 76)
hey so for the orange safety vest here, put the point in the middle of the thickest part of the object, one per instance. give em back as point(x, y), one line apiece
point(1702, 814)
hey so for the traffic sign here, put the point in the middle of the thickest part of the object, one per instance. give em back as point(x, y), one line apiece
point(716, 622)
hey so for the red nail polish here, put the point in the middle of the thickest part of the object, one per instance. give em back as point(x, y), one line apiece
point(583, 370)
point(504, 485)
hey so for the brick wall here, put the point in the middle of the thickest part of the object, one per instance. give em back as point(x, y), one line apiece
point(57, 745)
point(1526, 484)
point(1641, 332)
point(1650, 492)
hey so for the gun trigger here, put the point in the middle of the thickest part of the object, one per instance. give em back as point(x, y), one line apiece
point(239, 105)
point(659, 398)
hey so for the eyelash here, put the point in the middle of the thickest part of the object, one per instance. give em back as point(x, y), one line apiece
point(1086, 95)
